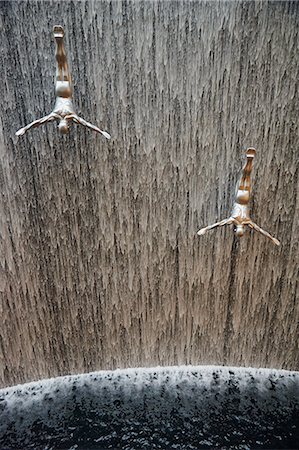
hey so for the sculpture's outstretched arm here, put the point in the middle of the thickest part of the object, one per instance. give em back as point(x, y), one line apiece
point(217, 224)
point(83, 122)
point(265, 233)
point(37, 123)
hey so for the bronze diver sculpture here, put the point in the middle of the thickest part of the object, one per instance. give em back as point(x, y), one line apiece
point(63, 110)
point(240, 216)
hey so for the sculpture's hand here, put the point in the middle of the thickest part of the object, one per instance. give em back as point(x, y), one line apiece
point(37, 123)
point(265, 233)
point(228, 221)
point(83, 122)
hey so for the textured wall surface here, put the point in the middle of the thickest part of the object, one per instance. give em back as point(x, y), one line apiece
point(100, 263)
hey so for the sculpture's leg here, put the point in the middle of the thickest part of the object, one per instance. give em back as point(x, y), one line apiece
point(62, 71)
point(37, 123)
point(228, 221)
point(83, 122)
point(265, 233)
point(245, 180)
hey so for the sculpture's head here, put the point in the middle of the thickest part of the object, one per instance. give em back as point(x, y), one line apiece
point(239, 230)
point(63, 126)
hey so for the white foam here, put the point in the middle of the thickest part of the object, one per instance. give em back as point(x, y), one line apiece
point(189, 390)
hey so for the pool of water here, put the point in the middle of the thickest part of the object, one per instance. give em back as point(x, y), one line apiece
point(158, 408)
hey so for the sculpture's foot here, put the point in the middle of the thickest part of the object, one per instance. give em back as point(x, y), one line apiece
point(250, 152)
point(58, 31)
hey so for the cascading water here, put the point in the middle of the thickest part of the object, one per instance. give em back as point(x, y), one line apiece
point(100, 265)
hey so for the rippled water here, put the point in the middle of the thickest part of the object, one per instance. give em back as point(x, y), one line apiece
point(160, 408)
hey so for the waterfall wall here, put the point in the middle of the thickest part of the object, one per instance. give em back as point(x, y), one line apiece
point(100, 264)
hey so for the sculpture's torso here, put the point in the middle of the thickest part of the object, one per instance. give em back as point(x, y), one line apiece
point(63, 89)
point(240, 211)
point(63, 106)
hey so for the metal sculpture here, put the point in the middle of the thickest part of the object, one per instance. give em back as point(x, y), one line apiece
point(63, 110)
point(240, 216)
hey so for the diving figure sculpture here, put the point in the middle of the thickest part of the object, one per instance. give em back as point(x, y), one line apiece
point(63, 110)
point(240, 216)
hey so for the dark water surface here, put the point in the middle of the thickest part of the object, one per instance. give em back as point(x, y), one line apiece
point(160, 408)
